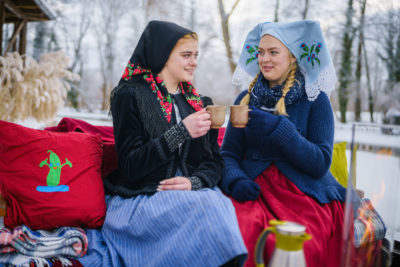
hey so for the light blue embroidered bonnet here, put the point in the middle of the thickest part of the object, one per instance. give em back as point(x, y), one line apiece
point(305, 41)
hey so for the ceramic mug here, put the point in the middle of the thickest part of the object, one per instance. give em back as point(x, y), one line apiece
point(217, 115)
point(239, 115)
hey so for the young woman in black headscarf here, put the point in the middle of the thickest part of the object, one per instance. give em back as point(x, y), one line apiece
point(163, 206)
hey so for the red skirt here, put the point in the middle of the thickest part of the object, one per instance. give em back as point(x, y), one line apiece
point(281, 199)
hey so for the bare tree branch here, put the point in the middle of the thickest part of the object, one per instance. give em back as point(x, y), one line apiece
point(305, 11)
point(233, 8)
point(84, 24)
point(276, 19)
point(357, 104)
point(226, 34)
point(111, 12)
point(370, 96)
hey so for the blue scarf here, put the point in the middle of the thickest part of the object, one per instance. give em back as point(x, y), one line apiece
point(265, 98)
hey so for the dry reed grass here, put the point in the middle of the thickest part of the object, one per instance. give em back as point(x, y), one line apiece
point(33, 88)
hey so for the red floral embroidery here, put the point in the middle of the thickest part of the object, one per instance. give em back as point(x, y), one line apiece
point(126, 73)
point(158, 79)
point(192, 97)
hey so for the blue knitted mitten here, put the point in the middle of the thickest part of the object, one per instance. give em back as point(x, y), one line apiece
point(245, 189)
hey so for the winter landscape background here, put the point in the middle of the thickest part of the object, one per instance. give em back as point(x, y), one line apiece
point(363, 37)
point(99, 37)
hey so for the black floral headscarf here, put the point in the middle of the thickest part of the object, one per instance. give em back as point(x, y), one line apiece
point(149, 58)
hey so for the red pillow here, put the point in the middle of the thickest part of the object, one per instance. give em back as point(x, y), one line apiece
point(51, 179)
point(107, 136)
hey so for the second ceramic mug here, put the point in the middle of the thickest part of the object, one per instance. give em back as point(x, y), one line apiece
point(239, 115)
point(217, 115)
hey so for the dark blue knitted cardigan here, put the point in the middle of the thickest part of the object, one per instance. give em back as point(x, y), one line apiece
point(300, 146)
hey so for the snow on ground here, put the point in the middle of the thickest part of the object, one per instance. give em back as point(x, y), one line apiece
point(100, 118)
point(369, 134)
point(96, 118)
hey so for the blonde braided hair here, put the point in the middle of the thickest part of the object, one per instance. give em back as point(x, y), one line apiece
point(280, 105)
point(246, 99)
point(280, 108)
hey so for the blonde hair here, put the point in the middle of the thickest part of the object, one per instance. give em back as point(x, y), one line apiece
point(280, 108)
point(188, 36)
point(191, 35)
point(246, 99)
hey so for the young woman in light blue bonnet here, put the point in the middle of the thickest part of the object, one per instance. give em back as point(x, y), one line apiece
point(277, 167)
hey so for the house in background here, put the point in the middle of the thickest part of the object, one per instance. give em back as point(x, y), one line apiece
point(19, 13)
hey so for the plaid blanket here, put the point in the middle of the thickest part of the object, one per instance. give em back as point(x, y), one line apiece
point(21, 246)
point(368, 226)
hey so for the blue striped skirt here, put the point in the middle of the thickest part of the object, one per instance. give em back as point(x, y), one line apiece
point(169, 228)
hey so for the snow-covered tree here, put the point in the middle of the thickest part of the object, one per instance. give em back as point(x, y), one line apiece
point(345, 74)
point(107, 26)
point(357, 104)
point(390, 54)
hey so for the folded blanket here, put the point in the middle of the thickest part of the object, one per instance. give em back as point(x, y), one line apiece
point(19, 260)
point(21, 246)
point(368, 226)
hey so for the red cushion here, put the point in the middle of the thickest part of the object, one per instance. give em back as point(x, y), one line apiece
point(107, 136)
point(35, 162)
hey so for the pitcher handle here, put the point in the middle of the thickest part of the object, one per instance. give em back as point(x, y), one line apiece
point(259, 249)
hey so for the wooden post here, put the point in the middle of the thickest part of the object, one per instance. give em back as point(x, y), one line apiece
point(22, 19)
point(15, 35)
point(12, 42)
point(22, 38)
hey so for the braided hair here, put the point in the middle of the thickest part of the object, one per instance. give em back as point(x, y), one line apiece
point(280, 108)
point(246, 99)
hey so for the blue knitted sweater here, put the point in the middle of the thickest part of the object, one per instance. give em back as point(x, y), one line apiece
point(300, 146)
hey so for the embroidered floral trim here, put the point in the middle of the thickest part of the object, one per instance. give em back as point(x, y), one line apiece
point(253, 51)
point(192, 97)
point(165, 101)
point(131, 70)
point(311, 53)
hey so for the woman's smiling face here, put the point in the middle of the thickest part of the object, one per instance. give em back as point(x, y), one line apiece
point(182, 61)
point(274, 60)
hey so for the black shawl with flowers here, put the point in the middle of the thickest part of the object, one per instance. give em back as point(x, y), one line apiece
point(141, 128)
